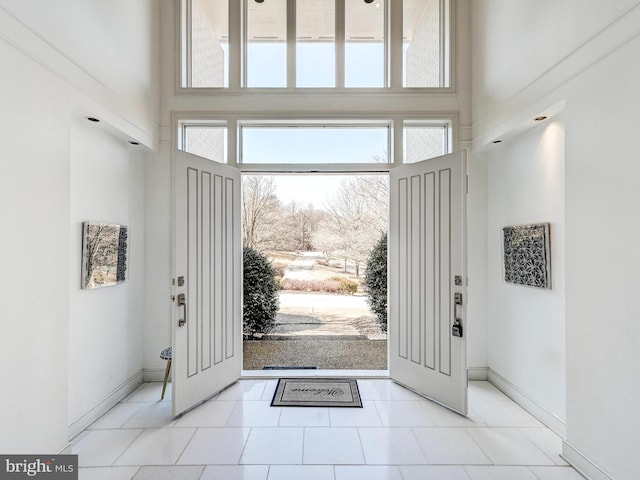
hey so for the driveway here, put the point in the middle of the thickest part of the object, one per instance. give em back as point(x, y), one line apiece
point(321, 314)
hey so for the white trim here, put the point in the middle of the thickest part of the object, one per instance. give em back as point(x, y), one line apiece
point(248, 374)
point(103, 406)
point(474, 374)
point(340, 43)
point(548, 418)
point(292, 44)
point(478, 374)
point(153, 375)
point(583, 464)
point(284, 168)
point(394, 61)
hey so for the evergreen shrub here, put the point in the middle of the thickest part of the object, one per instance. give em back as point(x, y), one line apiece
point(260, 301)
point(375, 279)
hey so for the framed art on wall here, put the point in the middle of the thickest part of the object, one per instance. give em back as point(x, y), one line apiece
point(104, 254)
point(527, 259)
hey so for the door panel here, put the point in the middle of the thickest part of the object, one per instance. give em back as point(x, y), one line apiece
point(426, 252)
point(207, 350)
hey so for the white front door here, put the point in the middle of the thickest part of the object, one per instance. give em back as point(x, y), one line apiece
point(207, 329)
point(427, 278)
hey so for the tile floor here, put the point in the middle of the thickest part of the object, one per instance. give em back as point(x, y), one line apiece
point(398, 435)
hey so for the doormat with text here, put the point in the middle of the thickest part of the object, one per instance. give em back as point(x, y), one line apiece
point(317, 392)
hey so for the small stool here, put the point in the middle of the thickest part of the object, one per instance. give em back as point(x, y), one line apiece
point(166, 354)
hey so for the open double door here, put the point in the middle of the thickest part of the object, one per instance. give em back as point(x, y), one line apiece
point(427, 278)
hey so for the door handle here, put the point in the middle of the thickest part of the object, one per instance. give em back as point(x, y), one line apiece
point(182, 302)
point(456, 328)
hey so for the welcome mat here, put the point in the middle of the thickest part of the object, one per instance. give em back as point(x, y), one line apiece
point(317, 392)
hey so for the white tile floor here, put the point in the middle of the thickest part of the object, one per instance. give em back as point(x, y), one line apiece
point(396, 436)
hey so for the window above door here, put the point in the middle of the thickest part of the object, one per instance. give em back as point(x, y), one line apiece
point(311, 144)
point(324, 45)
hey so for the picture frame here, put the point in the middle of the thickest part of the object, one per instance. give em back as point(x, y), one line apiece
point(104, 254)
point(527, 256)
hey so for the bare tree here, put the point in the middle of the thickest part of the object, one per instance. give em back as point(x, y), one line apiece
point(260, 209)
point(300, 225)
point(358, 216)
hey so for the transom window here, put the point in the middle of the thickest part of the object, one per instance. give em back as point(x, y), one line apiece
point(316, 144)
point(302, 44)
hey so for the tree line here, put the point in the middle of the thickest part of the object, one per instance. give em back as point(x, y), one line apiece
point(349, 225)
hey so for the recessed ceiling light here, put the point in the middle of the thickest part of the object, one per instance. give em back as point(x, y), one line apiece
point(93, 119)
point(540, 118)
point(497, 141)
point(132, 142)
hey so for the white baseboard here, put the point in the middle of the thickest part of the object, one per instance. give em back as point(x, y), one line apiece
point(583, 464)
point(100, 408)
point(478, 373)
point(530, 405)
point(154, 374)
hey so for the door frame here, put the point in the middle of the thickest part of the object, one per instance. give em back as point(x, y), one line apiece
point(231, 121)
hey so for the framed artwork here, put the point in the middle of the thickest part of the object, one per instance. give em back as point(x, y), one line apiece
point(527, 259)
point(104, 254)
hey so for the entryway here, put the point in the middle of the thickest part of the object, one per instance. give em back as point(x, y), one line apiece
point(315, 261)
point(427, 278)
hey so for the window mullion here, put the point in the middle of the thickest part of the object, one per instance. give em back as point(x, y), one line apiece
point(236, 43)
point(291, 43)
point(233, 145)
point(446, 28)
point(187, 42)
point(340, 43)
point(394, 52)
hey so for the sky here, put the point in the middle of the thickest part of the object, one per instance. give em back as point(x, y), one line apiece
point(307, 189)
point(317, 144)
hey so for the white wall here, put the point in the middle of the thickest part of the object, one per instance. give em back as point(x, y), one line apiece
point(105, 50)
point(34, 254)
point(105, 324)
point(477, 356)
point(526, 326)
point(597, 84)
point(158, 261)
point(603, 260)
point(517, 42)
point(61, 61)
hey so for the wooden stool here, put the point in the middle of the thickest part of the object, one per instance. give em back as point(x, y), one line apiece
point(166, 354)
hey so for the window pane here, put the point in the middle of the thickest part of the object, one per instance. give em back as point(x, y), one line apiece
point(315, 144)
point(206, 141)
point(315, 43)
point(422, 50)
point(267, 44)
point(209, 43)
point(424, 142)
point(365, 43)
